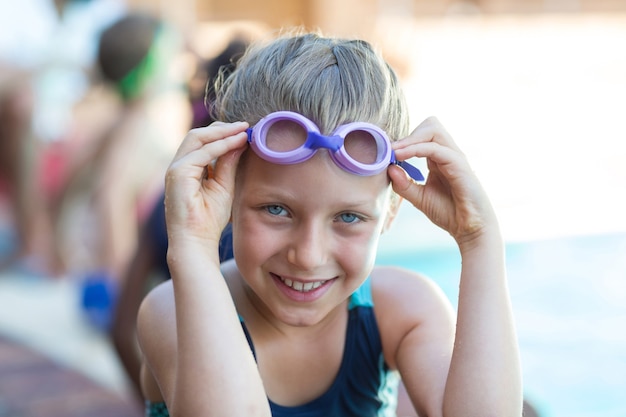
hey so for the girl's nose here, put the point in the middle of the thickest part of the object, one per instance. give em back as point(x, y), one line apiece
point(309, 247)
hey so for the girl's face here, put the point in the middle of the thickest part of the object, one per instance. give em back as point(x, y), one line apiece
point(305, 235)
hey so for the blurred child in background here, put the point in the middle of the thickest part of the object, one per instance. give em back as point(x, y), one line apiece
point(113, 181)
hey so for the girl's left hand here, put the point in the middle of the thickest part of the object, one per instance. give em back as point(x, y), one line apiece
point(452, 196)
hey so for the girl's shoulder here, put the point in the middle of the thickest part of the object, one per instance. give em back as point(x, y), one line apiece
point(156, 332)
point(403, 288)
point(159, 300)
point(157, 310)
point(156, 320)
point(407, 303)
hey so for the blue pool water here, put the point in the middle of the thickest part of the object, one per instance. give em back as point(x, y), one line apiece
point(569, 300)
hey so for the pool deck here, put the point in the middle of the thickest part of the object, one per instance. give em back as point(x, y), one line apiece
point(52, 362)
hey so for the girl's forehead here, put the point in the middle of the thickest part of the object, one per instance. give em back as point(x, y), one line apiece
point(316, 176)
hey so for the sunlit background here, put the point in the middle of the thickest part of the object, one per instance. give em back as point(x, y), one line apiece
point(534, 92)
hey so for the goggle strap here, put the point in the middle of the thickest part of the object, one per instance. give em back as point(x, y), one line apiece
point(413, 172)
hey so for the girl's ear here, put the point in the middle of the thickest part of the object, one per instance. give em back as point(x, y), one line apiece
point(394, 206)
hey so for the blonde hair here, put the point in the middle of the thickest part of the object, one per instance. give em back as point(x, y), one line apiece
point(328, 80)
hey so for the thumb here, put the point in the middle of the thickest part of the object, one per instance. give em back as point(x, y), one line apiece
point(226, 168)
point(404, 186)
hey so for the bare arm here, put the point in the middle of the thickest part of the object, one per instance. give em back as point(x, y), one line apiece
point(485, 349)
point(210, 344)
point(484, 376)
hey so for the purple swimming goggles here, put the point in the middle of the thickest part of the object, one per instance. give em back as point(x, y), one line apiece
point(359, 148)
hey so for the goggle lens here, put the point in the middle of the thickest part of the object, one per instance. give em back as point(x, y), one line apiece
point(285, 136)
point(362, 147)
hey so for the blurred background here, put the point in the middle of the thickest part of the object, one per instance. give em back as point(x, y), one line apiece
point(95, 95)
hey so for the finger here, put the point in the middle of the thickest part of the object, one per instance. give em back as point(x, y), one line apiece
point(225, 169)
point(209, 152)
point(404, 186)
point(435, 153)
point(197, 138)
point(430, 130)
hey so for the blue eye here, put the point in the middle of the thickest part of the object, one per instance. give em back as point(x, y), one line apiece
point(276, 210)
point(349, 217)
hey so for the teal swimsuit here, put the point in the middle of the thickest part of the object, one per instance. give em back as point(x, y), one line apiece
point(364, 386)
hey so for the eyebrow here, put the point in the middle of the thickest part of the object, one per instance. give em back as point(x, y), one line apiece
point(275, 193)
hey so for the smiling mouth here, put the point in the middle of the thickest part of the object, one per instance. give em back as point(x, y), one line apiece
point(302, 286)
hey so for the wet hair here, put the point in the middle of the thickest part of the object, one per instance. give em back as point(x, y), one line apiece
point(331, 81)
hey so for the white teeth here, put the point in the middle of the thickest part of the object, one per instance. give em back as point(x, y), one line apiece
point(301, 286)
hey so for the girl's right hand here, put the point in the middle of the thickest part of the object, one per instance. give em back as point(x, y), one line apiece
point(198, 195)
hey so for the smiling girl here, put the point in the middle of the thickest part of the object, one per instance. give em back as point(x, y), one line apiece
point(305, 164)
